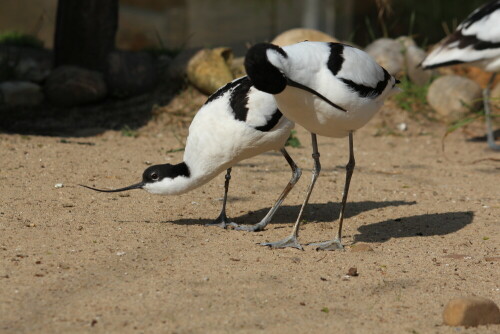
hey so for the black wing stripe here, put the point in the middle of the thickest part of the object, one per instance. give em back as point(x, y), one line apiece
point(271, 123)
point(239, 99)
point(227, 87)
point(366, 91)
point(336, 58)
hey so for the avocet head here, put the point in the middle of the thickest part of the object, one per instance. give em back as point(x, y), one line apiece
point(157, 179)
point(260, 65)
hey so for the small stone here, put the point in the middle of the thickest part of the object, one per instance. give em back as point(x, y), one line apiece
point(471, 311)
point(120, 253)
point(453, 96)
point(353, 272)
point(361, 247)
point(388, 54)
point(58, 185)
point(21, 93)
point(298, 35)
point(402, 126)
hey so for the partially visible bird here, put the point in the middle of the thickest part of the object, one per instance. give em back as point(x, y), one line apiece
point(477, 41)
point(331, 89)
point(237, 122)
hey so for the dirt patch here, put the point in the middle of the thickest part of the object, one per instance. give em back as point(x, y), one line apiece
point(77, 261)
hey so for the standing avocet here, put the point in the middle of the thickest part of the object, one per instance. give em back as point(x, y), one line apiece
point(331, 89)
point(237, 122)
point(476, 40)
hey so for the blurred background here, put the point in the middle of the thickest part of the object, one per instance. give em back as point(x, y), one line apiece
point(80, 67)
point(233, 23)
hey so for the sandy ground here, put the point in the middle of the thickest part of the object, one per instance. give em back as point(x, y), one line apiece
point(76, 261)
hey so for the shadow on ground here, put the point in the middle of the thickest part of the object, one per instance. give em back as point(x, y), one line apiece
point(88, 120)
point(326, 212)
point(421, 225)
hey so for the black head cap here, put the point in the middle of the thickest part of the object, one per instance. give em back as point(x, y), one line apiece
point(157, 173)
point(264, 75)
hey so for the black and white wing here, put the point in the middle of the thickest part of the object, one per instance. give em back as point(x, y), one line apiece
point(476, 39)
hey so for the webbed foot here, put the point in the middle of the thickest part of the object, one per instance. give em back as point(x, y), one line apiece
point(290, 241)
point(222, 221)
point(334, 244)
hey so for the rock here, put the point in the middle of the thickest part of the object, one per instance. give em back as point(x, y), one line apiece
point(452, 96)
point(495, 97)
point(387, 53)
point(177, 69)
point(69, 86)
point(26, 63)
point(413, 56)
point(237, 67)
point(130, 73)
point(29, 69)
point(471, 311)
point(297, 35)
point(406, 41)
point(209, 69)
point(361, 247)
point(21, 93)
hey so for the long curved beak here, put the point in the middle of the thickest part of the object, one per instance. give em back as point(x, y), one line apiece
point(295, 84)
point(134, 186)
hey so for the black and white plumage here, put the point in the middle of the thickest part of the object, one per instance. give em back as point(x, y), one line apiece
point(237, 122)
point(331, 89)
point(477, 41)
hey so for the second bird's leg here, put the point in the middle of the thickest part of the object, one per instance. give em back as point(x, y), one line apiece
point(487, 114)
point(336, 243)
point(296, 173)
point(292, 240)
point(222, 220)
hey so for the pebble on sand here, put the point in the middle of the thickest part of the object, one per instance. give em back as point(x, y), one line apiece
point(471, 312)
point(361, 247)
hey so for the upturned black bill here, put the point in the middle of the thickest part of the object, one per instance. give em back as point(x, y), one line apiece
point(134, 186)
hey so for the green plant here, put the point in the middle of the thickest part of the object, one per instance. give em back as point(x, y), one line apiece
point(128, 132)
point(413, 98)
point(292, 140)
point(16, 38)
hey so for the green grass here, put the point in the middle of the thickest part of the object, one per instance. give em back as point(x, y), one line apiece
point(413, 98)
point(16, 38)
point(293, 141)
point(128, 132)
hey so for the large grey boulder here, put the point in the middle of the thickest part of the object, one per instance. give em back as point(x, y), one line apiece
point(453, 96)
point(69, 86)
point(388, 54)
point(413, 57)
point(21, 93)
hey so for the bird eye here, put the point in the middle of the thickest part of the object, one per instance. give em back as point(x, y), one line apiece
point(154, 176)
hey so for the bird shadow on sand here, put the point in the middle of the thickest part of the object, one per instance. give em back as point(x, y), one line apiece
point(419, 225)
point(325, 212)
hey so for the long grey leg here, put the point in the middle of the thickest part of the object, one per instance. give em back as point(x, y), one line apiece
point(291, 241)
point(222, 221)
point(336, 243)
point(487, 113)
point(296, 173)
